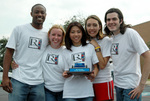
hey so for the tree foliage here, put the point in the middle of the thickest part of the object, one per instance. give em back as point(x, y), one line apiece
point(148, 44)
point(3, 43)
point(79, 18)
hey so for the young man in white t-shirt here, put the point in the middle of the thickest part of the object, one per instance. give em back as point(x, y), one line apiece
point(127, 47)
point(26, 46)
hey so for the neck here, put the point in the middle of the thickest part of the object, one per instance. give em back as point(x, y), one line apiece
point(55, 47)
point(116, 32)
point(77, 45)
point(37, 26)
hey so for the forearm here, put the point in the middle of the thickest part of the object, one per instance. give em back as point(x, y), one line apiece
point(96, 70)
point(7, 61)
point(102, 61)
point(145, 69)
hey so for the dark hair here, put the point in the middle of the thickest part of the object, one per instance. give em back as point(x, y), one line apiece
point(68, 41)
point(123, 26)
point(37, 5)
point(100, 34)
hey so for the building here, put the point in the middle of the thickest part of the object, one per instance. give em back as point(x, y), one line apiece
point(144, 30)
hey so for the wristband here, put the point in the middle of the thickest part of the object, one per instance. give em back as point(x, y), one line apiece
point(97, 47)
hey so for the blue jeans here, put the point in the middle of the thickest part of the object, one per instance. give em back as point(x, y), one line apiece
point(25, 92)
point(53, 96)
point(122, 95)
point(79, 99)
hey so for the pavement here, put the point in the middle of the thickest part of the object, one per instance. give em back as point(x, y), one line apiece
point(148, 82)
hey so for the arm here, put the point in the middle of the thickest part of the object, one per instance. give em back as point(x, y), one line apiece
point(145, 73)
point(102, 60)
point(93, 74)
point(66, 75)
point(6, 66)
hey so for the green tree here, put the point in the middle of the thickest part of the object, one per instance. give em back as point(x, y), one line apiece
point(79, 18)
point(3, 42)
point(148, 44)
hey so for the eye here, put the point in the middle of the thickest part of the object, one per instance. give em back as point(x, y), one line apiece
point(88, 25)
point(72, 32)
point(78, 31)
point(42, 12)
point(95, 25)
point(36, 12)
point(59, 35)
point(53, 34)
point(108, 20)
point(114, 19)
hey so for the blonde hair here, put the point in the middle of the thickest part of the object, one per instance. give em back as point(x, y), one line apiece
point(58, 27)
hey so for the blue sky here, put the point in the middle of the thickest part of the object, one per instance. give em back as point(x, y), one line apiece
point(17, 12)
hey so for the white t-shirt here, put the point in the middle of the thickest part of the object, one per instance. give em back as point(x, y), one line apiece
point(78, 86)
point(104, 75)
point(29, 45)
point(53, 64)
point(126, 50)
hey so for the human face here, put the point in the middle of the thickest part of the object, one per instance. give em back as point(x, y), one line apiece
point(113, 23)
point(55, 37)
point(92, 27)
point(39, 15)
point(76, 35)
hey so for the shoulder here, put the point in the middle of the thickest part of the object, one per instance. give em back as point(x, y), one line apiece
point(106, 39)
point(44, 30)
point(131, 30)
point(131, 33)
point(65, 50)
point(89, 46)
point(21, 26)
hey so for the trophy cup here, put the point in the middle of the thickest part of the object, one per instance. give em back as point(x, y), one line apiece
point(79, 68)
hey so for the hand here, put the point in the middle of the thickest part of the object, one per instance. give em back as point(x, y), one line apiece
point(90, 76)
point(94, 43)
point(14, 65)
point(7, 86)
point(66, 75)
point(136, 92)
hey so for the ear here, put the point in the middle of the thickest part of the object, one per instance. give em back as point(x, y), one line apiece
point(121, 21)
point(48, 35)
point(100, 27)
point(48, 38)
point(31, 13)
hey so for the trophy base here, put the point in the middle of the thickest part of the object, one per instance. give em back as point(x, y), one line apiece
point(79, 71)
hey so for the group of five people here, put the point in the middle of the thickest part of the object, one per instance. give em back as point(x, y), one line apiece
point(43, 61)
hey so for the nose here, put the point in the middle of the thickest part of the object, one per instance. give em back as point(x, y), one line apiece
point(91, 27)
point(39, 14)
point(56, 36)
point(110, 21)
point(76, 33)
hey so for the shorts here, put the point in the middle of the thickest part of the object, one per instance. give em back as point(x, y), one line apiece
point(103, 91)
